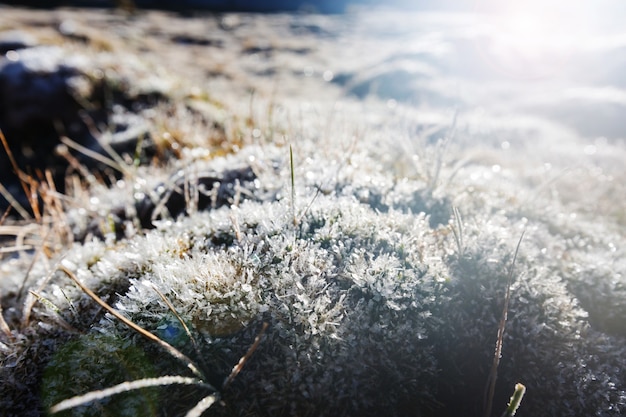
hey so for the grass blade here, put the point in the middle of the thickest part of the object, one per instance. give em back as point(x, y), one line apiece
point(515, 400)
point(293, 186)
point(118, 166)
point(5, 327)
point(203, 405)
point(24, 179)
point(458, 231)
point(124, 387)
point(490, 389)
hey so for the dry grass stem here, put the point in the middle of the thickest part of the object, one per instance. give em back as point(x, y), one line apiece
point(119, 166)
point(493, 374)
point(237, 368)
point(125, 387)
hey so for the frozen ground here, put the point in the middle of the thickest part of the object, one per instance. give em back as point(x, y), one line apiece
point(423, 145)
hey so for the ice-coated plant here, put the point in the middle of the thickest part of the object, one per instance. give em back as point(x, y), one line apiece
point(345, 300)
point(356, 300)
point(57, 379)
point(372, 306)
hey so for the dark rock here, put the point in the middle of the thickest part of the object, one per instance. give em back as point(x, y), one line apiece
point(39, 88)
point(39, 85)
point(46, 95)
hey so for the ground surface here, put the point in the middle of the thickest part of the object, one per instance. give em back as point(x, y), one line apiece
point(423, 144)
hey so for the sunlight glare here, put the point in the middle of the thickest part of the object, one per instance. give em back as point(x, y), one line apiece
point(534, 39)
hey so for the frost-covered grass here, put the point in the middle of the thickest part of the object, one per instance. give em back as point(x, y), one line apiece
point(373, 307)
point(375, 245)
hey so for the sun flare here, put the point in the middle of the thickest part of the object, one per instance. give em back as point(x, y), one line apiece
point(535, 40)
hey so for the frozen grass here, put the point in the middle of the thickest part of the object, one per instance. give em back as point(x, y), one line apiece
point(376, 247)
point(362, 292)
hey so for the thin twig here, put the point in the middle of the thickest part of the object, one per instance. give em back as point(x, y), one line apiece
point(202, 405)
point(13, 203)
point(308, 207)
point(5, 215)
point(28, 183)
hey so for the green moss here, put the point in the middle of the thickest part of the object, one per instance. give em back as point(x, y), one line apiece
point(94, 362)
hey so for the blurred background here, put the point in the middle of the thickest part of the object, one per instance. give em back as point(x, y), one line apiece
point(324, 6)
point(561, 61)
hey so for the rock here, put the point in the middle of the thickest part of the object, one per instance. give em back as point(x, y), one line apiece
point(46, 94)
point(39, 86)
point(38, 91)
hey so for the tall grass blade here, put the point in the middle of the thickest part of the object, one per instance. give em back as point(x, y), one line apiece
point(293, 186)
point(458, 231)
point(490, 389)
